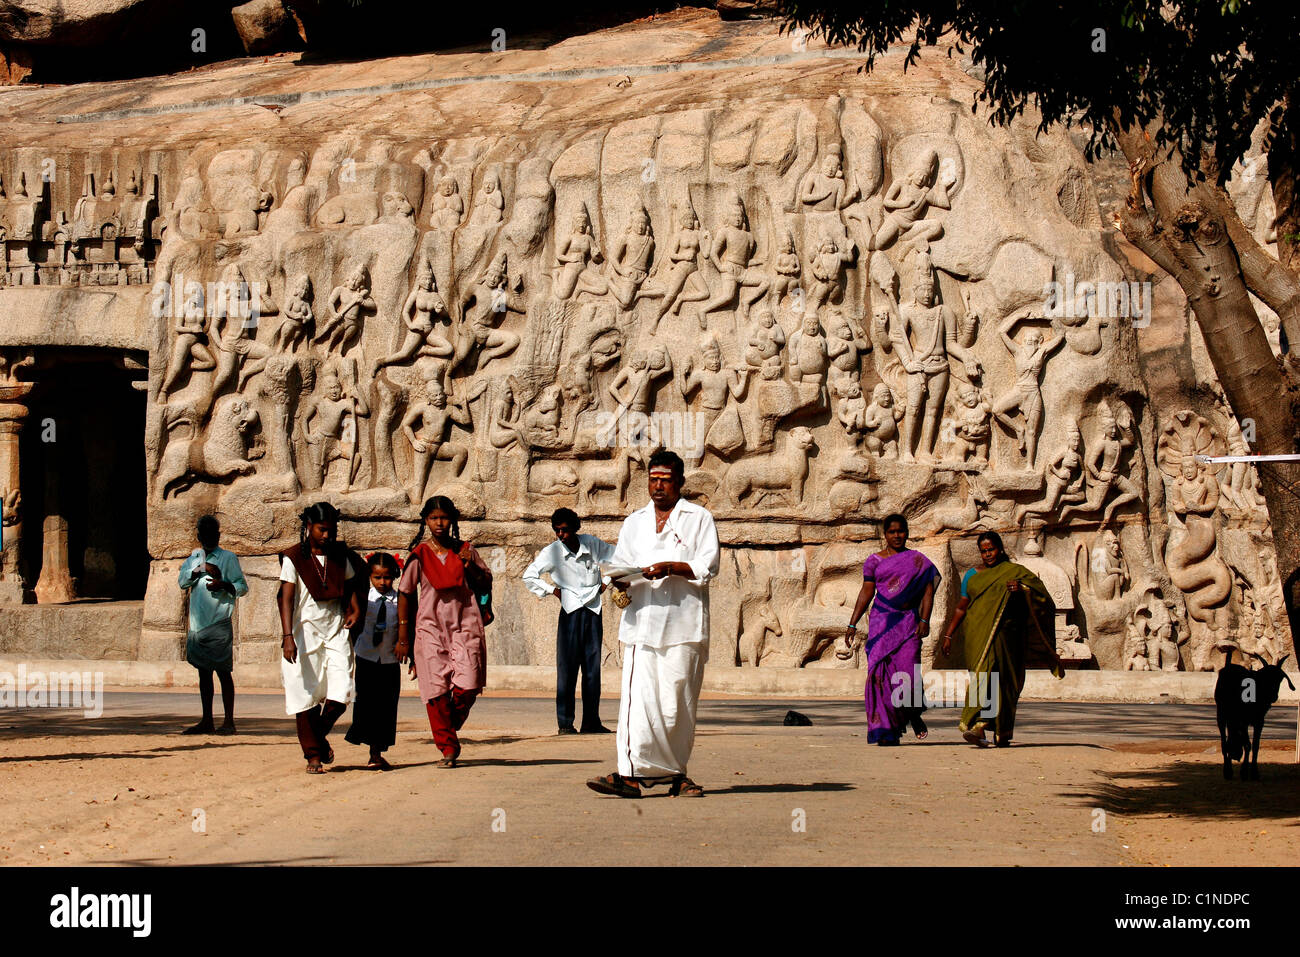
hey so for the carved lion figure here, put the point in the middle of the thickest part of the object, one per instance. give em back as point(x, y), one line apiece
point(222, 454)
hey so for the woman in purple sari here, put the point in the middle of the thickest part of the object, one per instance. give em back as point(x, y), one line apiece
point(901, 582)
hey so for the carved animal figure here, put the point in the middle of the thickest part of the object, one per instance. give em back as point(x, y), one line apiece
point(222, 454)
point(611, 475)
point(1241, 699)
point(775, 472)
point(757, 620)
point(552, 478)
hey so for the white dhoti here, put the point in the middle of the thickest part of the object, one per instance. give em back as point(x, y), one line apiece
point(324, 673)
point(656, 713)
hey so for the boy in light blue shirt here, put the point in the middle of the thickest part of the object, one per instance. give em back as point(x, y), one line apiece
point(212, 579)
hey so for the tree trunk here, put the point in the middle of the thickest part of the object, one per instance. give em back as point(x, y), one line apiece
point(1185, 228)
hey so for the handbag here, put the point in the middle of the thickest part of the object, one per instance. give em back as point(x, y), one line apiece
point(481, 587)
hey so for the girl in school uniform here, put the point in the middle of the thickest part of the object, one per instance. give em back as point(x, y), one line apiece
point(444, 598)
point(317, 607)
point(378, 674)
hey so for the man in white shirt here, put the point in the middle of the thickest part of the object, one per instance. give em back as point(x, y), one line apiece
point(573, 562)
point(665, 633)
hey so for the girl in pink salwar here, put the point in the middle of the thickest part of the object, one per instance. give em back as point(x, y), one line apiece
point(445, 594)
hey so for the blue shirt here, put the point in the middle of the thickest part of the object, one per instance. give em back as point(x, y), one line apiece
point(209, 607)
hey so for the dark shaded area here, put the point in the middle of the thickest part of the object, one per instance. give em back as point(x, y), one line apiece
point(160, 38)
point(1197, 790)
point(147, 39)
point(82, 459)
point(781, 788)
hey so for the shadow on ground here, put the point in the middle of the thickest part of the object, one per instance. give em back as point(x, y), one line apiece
point(1196, 790)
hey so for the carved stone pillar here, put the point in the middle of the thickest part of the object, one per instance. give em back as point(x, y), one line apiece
point(56, 584)
point(13, 411)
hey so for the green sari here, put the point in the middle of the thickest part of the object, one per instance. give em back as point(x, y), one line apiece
point(997, 630)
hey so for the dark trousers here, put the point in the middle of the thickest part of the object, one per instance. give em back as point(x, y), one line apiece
point(447, 714)
point(374, 713)
point(578, 643)
point(314, 725)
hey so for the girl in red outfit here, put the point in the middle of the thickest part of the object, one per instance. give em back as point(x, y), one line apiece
point(445, 593)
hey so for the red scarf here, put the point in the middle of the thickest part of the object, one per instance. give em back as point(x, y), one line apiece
point(447, 573)
point(327, 587)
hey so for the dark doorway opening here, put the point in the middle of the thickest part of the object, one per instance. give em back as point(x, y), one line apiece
point(83, 479)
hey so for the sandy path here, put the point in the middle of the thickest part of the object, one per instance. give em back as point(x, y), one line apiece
point(127, 789)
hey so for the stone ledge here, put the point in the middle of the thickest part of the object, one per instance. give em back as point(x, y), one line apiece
point(1092, 686)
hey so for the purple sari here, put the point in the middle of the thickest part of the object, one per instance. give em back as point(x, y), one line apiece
point(892, 645)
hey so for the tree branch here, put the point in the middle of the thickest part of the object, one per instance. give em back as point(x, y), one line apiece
point(1267, 278)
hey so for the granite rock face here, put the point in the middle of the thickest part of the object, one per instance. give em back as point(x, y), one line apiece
point(835, 296)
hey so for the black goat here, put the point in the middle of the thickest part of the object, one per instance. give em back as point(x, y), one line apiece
point(1242, 698)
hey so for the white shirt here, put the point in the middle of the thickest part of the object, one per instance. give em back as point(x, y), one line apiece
point(673, 610)
point(365, 646)
point(315, 623)
point(576, 574)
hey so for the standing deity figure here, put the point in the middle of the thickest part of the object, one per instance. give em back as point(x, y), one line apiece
point(825, 189)
point(489, 209)
point(1065, 475)
point(297, 313)
point(447, 207)
point(191, 348)
point(717, 387)
point(331, 427)
point(1150, 644)
point(419, 311)
point(845, 347)
point(575, 257)
point(1194, 566)
point(1106, 570)
point(427, 425)
point(1114, 435)
point(234, 331)
point(828, 272)
point(851, 410)
point(787, 269)
point(809, 355)
point(631, 261)
point(683, 282)
point(766, 343)
point(346, 304)
point(1026, 395)
point(732, 254)
point(880, 423)
point(925, 336)
point(907, 201)
point(634, 386)
point(971, 430)
point(487, 303)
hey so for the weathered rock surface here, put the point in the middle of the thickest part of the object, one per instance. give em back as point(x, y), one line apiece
point(486, 276)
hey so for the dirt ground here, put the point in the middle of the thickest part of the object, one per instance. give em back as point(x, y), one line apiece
point(1141, 786)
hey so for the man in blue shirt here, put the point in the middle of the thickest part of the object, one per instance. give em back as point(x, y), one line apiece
point(573, 562)
point(212, 578)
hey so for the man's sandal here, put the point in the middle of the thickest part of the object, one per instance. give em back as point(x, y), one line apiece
point(315, 769)
point(616, 785)
point(685, 787)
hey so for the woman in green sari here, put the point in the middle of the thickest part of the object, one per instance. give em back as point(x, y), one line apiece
point(1001, 611)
